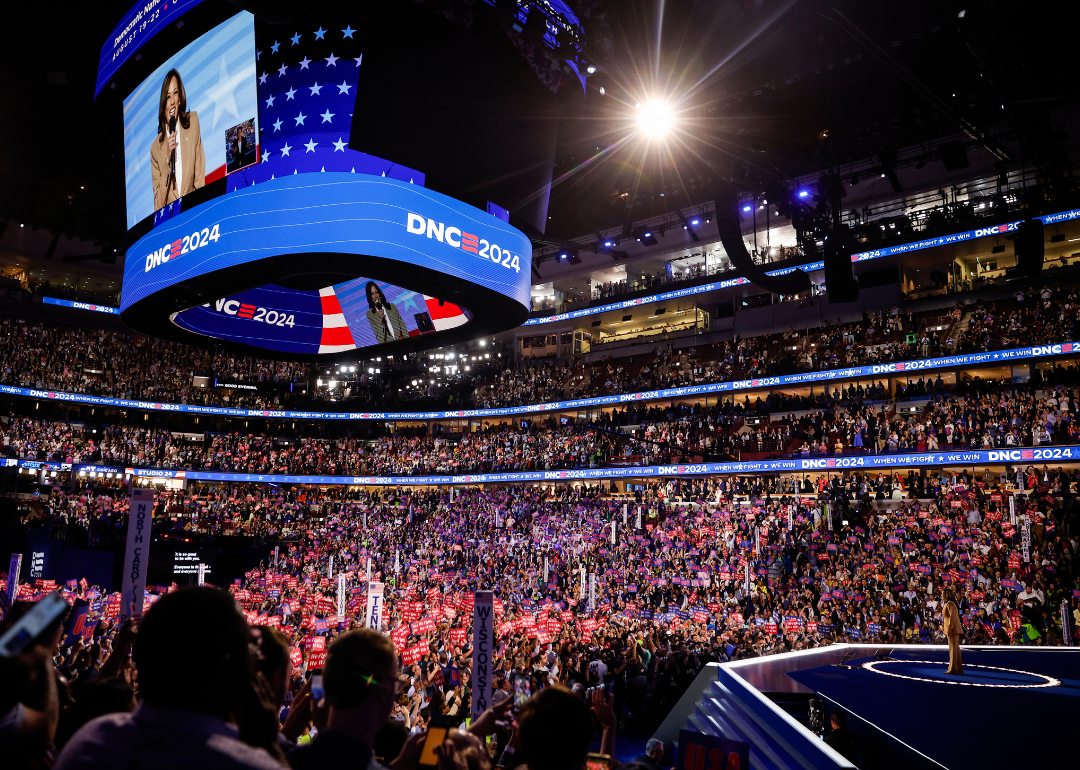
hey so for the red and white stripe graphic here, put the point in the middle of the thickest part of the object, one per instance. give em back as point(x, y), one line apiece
point(445, 315)
point(336, 336)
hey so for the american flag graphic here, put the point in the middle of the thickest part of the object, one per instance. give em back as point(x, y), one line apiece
point(307, 84)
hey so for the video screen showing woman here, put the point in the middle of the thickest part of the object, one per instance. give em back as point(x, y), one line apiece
point(386, 322)
point(177, 160)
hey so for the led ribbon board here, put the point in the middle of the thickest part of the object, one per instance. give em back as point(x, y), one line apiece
point(794, 465)
point(283, 269)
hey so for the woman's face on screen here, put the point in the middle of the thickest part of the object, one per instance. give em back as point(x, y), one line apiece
point(373, 296)
point(172, 98)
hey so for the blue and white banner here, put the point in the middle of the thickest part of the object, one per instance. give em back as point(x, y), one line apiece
point(999, 357)
point(81, 305)
point(809, 267)
point(793, 465)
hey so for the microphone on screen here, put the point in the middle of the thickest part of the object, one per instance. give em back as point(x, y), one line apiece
point(172, 155)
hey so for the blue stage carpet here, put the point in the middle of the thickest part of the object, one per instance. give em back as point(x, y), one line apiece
point(1025, 716)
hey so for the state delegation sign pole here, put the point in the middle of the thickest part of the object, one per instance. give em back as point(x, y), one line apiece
point(373, 616)
point(483, 639)
point(137, 553)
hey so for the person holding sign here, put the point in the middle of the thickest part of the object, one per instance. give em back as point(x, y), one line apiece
point(950, 617)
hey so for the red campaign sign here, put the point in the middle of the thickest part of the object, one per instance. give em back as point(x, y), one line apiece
point(411, 611)
point(995, 498)
point(455, 637)
point(770, 627)
point(506, 627)
point(791, 626)
point(296, 656)
point(399, 635)
point(811, 627)
point(316, 659)
point(413, 654)
point(567, 616)
point(736, 617)
point(423, 625)
point(698, 751)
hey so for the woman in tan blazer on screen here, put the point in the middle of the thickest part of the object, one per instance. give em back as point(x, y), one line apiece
point(178, 130)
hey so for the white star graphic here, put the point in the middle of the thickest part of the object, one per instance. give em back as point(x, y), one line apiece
point(295, 38)
point(339, 146)
point(311, 145)
point(223, 93)
point(331, 60)
point(289, 94)
point(282, 70)
point(274, 47)
point(270, 101)
point(359, 59)
point(344, 87)
point(315, 89)
point(266, 155)
point(300, 119)
point(285, 150)
point(262, 79)
point(326, 116)
point(304, 63)
point(319, 33)
point(348, 31)
point(277, 125)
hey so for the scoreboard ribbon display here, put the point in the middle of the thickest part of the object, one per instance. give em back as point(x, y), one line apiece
point(312, 265)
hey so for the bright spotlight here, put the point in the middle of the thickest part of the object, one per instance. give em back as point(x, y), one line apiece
point(803, 193)
point(655, 118)
point(746, 208)
point(591, 69)
point(693, 221)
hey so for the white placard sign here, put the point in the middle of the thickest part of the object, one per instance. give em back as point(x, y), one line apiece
point(137, 554)
point(373, 616)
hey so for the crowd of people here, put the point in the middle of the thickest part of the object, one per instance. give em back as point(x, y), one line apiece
point(628, 594)
point(78, 360)
point(978, 415)
point(108, 363)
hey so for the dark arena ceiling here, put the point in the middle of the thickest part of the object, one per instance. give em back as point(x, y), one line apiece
point(763, 90)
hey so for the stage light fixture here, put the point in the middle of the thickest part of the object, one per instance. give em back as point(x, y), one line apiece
point(804, 193)
point(591, 69)
point(655, 118)
point(747, 209)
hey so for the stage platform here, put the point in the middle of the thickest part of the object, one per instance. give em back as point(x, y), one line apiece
point(1012, 707)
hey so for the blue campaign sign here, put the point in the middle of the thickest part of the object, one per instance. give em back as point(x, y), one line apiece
point(809, 267)
point(1000, 356)
point(793, 465)
point(698, 751)
point(139, 25)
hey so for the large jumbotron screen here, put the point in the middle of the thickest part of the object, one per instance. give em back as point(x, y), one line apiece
point(193, 120)
point(235, 240)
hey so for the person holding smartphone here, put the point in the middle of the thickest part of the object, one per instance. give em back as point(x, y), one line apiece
point(29, 700)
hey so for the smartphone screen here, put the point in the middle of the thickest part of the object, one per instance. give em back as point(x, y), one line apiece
point(435, 737)
point(317, 691)
point(598, 762)
point(522, 690)
point(29, 626)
